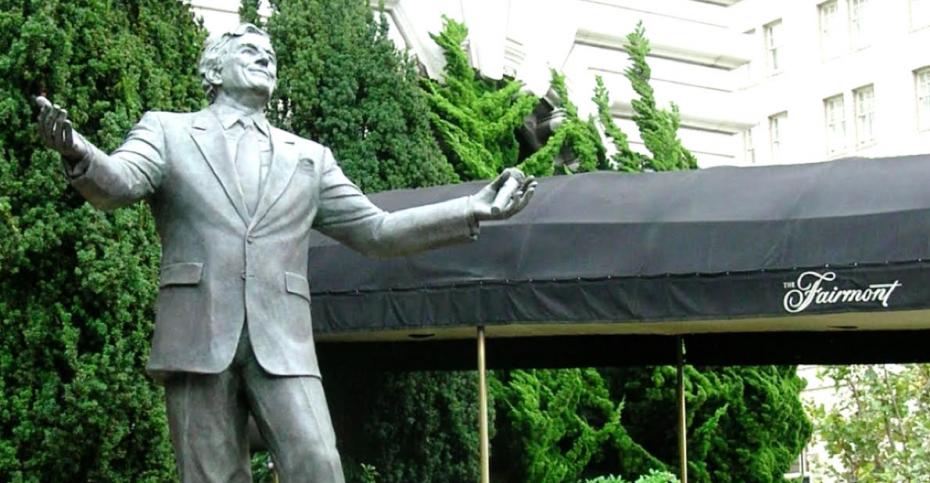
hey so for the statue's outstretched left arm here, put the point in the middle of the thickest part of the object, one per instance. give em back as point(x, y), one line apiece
point(347, 215)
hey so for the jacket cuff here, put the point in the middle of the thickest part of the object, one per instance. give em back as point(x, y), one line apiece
point(474, 228)
point(78, 168)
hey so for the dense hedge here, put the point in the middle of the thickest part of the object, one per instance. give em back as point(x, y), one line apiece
point(77, 285)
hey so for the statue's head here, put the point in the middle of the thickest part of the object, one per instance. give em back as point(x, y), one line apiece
point(239, 63)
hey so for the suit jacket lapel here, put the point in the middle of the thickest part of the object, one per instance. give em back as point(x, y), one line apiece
point(283, 165)
point(208, 135)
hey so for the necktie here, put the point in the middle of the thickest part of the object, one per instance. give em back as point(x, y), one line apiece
point(248, 165)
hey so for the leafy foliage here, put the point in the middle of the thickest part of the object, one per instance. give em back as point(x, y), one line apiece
point(581, 139)
point(744, 423)
point(558, 424)
point(416, 426)
point(652, 477)
point(248, 12)
point(624, 158)
point(658, 127)
point(342, 83)
point(76, 285)
point(475, 118)
point(879, 428)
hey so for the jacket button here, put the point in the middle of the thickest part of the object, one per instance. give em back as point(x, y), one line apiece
point(242, 274)
point(250, 239)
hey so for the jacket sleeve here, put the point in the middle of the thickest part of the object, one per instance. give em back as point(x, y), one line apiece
point(346, 214)
point(134, 171)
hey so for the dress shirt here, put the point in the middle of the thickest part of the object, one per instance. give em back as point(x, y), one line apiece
point(232, 122)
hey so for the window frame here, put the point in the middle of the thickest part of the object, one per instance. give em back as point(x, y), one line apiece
point(858, 114)
point(777, 127)
point(922, 97)
point(831, 42)
point(858, 17)
point(834, 114)
point(773, 46)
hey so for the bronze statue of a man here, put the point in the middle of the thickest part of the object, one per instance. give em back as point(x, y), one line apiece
point(234, 200)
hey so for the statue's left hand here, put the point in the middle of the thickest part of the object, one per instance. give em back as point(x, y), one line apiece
point(56, 131)
point(505, 196)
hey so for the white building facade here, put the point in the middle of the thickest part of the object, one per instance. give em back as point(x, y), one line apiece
point(836, 78)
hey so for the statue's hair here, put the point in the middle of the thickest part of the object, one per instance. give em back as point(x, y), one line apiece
point(215, 50)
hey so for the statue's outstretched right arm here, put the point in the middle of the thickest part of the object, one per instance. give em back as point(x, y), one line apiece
point(129, 174)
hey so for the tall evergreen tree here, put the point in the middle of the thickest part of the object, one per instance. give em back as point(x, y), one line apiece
point(624, 158)
point(745, 424)
point(576, 139)
point(248, 12)
point(476, 118)
point(561, 425)
point(342, 83)
point(77, 285)
point(658, 127)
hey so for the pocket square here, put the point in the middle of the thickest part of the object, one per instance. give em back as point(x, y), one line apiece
point(306, 165)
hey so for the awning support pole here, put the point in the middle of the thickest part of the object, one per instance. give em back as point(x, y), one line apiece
point(682, 421)
point(483, 411)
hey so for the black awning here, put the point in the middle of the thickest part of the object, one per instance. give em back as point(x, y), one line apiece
point(812, 247)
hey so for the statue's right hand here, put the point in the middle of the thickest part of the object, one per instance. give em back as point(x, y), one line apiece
point(56, 131)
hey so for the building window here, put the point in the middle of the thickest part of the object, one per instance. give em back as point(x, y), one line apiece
point(773, 46)
point(752, 65)
point(859, 23)
point(800, 468)
point(749, 149)
point(920, 13)
point(864, 103)
point(777, 128)
point(835, 123)
point(922, 78)
point(831, 43)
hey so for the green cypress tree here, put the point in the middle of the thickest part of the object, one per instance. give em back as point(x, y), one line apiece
point(658, 127)
point(474, 117)
point(557, 425)
point(76, 285)
point(476, 120)
point(624, 159)
point(579, 138)
point(343, 83)
point(745, 424)
point(412, 426)
point(248, 12)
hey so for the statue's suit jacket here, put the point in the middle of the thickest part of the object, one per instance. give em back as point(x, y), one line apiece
point(222, 266)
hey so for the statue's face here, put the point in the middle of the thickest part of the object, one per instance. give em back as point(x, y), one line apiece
point(250, 67)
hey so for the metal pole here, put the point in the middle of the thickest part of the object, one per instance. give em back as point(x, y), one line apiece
point(483, 411)
point(682, 421)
